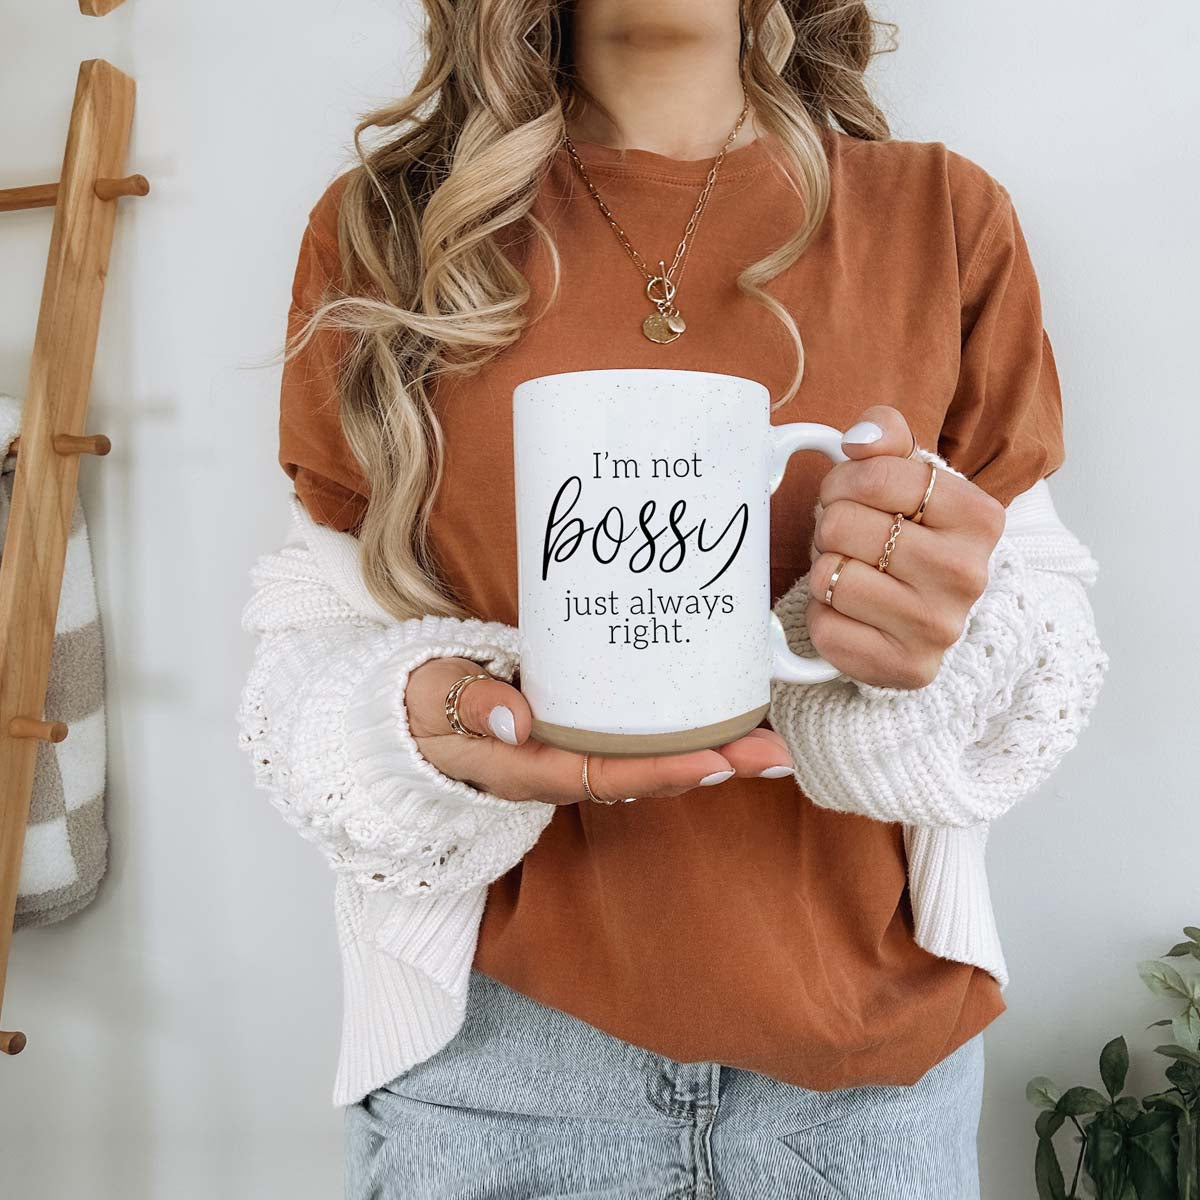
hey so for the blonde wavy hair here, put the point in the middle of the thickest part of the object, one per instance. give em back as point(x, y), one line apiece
point(428, 289)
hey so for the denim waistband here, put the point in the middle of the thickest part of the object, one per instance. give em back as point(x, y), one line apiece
point(528, 1100)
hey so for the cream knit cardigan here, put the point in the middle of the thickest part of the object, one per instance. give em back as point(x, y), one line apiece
point(322, 717)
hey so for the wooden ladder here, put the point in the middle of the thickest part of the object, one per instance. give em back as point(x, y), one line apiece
point(52, 439)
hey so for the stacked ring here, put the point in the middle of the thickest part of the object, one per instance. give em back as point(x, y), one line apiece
point(456, 689)
point(919, 515)
point(837, 574)
point(587, 788)
point(898, 520)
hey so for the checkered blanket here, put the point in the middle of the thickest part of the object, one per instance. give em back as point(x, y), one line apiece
point(66, 842)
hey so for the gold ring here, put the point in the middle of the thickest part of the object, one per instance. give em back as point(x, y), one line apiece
point(898, 520)
point(587, 787)
point(456, 690)
point(919, 515)
point(913, 451)
point(837, 572)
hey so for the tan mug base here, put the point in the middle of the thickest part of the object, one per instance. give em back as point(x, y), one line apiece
point(631, 745)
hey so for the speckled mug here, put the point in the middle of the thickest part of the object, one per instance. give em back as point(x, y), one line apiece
point(643, 509)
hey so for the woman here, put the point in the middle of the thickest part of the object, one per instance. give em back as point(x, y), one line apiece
point(768, 974)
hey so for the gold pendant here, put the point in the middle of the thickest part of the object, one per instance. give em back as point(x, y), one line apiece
point(657, 327)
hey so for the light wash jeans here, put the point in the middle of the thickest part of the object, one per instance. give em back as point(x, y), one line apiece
point(530, 1103)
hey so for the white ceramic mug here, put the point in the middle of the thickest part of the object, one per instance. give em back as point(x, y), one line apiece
point(643, 508)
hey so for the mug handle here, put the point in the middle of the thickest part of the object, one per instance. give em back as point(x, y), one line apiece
point(786, 440)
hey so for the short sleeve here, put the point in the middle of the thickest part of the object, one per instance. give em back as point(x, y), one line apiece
point(313, 450)
point(1003, 428)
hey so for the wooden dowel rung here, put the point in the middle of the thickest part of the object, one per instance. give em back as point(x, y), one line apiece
point(131, 185)
point(37, 195)
point(12, 1042)
point(31, 727)
point(45, 195)
point(88, 443)
point(70, 443)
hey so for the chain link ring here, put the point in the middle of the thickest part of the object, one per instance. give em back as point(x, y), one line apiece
point(886, 557)
point(456, 689)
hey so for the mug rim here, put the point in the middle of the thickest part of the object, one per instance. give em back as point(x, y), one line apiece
point(643, 371)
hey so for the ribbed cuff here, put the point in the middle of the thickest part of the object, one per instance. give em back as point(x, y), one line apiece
point(413, 808)
point(861, 758)
point(380, 744)
point(951, 901)
point(435, 935)
point(393, 1017)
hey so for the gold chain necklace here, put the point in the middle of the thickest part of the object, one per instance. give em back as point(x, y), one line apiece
point(665, 324)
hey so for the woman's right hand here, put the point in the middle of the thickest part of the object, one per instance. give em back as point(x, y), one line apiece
point(508, 763)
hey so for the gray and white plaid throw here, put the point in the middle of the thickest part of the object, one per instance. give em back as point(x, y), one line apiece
point(66, 842)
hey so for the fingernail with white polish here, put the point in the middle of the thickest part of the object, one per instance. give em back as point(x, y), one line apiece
point(862, 434)
point(501, 723)
point(715, 777)
point(776, 772)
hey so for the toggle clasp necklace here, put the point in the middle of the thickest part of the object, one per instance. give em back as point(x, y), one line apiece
point(666, 322)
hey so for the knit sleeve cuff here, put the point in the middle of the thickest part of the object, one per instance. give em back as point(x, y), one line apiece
point(442, 834)
point(1010, 699)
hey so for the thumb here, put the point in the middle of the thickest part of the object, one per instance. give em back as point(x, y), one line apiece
point(880, 429)
point(497, 709)
point(488, 706)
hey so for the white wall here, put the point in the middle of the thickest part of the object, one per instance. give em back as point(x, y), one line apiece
point(183, 1029)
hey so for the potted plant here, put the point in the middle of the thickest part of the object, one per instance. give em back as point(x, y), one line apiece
point(1131, 1149)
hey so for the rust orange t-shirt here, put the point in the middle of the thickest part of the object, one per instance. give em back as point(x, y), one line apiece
point(740, 924)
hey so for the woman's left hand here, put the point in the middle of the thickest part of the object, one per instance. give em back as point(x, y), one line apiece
point(892, 628)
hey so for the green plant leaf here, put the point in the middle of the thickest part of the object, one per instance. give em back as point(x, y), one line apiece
point(1151, 1126)
point(1043, 1092)
point(1156, 1024)
point(1193, 932)
point(1114, 1066)
point(1079, 1100)
point(1179, 950)
point(1128, 1109)
point(1170, 1099)
point(1151, 1152)
point(1163, 980)
point(1181, 1053)
point(1103, 1155)
point(1185, 1076)
point(1049, 1123)
point(1186, 1028)
point(1047, 1172)
point(1150, 1180)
